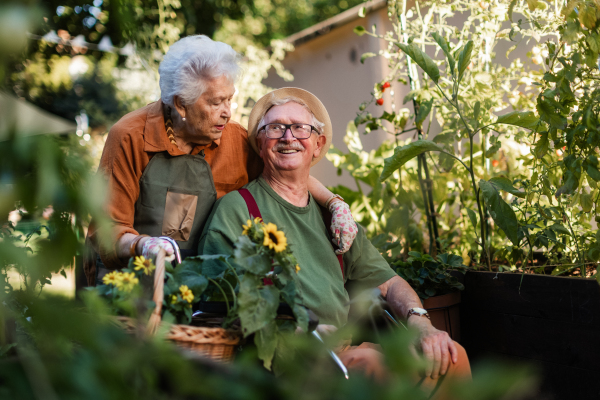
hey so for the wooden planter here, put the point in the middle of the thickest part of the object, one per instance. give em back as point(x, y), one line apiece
point(444, 313)
point(552, 323)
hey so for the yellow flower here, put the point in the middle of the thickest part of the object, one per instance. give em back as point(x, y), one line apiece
point(249, 225)
point(173, 299)
point(274, 239)
point(146, 265)
point(186, 293)
point(246, 227)
point(112, 278)
point(127, 281)
point(297, 268)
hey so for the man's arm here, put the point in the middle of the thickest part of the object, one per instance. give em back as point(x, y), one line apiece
point(437, 346)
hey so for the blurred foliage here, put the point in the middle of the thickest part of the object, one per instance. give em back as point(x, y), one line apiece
point(543, 200)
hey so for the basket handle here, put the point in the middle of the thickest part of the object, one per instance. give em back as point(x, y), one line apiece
point(159, 285)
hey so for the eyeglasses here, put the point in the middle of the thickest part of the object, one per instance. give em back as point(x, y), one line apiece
point(277, 131)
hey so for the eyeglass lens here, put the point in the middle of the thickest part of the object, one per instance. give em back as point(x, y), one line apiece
point(299, 131)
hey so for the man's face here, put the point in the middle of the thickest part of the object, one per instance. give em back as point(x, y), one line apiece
point(207, 117)
point(289, 153)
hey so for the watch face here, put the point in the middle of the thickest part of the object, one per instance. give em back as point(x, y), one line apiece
point(420, 310)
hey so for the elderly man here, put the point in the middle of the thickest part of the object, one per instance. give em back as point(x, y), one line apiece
point(291, 130)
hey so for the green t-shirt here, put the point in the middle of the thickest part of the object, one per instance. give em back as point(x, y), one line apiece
point(320, 276)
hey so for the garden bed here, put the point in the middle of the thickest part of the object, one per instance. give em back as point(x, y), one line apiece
point(552, 323)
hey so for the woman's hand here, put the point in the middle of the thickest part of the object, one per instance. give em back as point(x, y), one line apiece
point(343, 227)
point(153, 244)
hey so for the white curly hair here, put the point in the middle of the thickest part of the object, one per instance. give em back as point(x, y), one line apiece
point(190, 63)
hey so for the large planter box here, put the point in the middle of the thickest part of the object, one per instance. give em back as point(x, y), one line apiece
point(552, 323)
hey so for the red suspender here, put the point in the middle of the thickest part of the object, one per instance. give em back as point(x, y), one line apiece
point(251, 203)
point(254, 212)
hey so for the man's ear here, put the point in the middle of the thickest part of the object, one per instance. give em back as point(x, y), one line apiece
point(259, 144)
point(178, 104)
point(321, 140)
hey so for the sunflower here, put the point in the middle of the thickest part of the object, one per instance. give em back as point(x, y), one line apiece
point(127, 281)
point(112, 278)
point(274, 239)
point(186, 293)
point(144, 264)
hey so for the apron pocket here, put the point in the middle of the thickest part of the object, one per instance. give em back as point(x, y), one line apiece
point(180, 211)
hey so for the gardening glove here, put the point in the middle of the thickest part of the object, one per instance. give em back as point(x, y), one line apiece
point(153, 245)
point(343, 227)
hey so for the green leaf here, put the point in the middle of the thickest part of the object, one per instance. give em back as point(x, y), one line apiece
point(541, 146)
point(501, 212)
point(511, 7)
point(266, 341)
point(247, 256)
point(472, 217)
point(571, 183)
point(476, 110)
point(586, 201)
point(360, 30)
point(464, 59)
point(424, 110)
point(194, 280)
point(423, 60)
point(532, 4)
point(558, 228)
point(403, 154)
point(526, 119)
point(592, 41)
point(593, 172)
point(446, 49)
point(257, 307)
point(365, 56)
point(551, 114)
point(506, 185)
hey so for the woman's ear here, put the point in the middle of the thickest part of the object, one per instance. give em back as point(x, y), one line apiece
point(178, 105)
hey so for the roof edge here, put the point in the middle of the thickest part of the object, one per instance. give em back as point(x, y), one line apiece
point(326, 26)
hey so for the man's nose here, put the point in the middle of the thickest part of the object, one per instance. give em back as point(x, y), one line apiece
point(287, 135)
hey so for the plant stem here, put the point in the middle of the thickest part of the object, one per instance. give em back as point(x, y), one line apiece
point(222, 292)
point(483, 242)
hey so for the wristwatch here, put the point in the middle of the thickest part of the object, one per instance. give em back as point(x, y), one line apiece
point(421, 312)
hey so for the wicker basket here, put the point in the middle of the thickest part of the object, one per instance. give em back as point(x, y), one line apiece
point(215, 343)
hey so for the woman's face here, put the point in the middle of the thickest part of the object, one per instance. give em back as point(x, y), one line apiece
point(206, 119)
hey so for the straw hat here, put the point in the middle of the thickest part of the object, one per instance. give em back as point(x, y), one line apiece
point(266, 102)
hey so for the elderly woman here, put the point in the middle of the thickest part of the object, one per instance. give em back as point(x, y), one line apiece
point(168, 162)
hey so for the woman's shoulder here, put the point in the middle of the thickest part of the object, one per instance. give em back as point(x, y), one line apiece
point(131, 124)
point(236, 130)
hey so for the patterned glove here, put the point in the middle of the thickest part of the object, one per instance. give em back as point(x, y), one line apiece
point(343, 227)
point(152, 245)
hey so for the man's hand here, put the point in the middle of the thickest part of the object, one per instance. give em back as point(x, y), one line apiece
point(437, 346)
point(343, 227)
